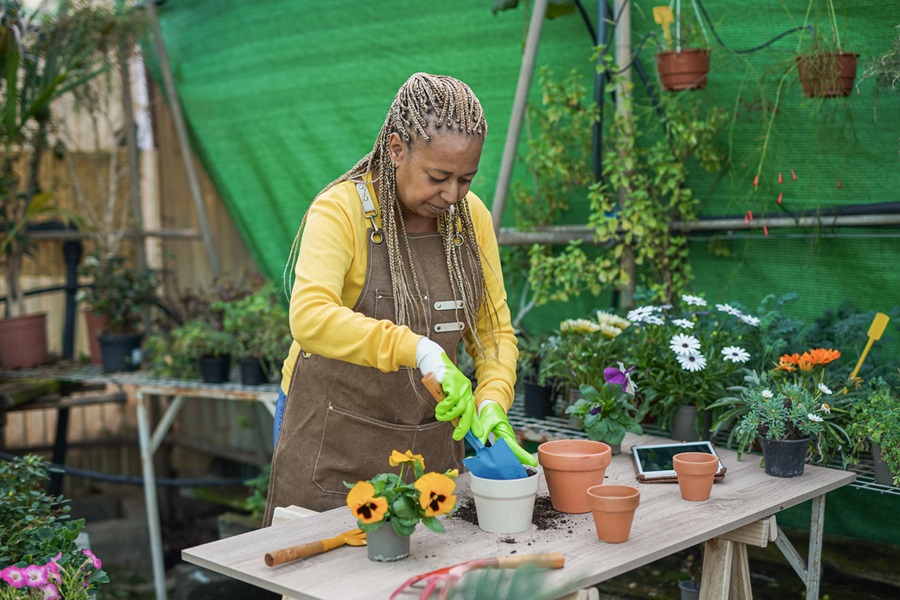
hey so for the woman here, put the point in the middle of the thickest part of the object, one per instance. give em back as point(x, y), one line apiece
point(397, 263)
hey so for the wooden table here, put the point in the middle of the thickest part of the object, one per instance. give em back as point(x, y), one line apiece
point(663, 524)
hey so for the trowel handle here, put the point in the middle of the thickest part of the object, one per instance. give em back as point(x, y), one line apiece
point(434, 386)
point(549, 560)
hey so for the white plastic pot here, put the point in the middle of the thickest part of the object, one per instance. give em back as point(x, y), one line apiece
point(505, 505)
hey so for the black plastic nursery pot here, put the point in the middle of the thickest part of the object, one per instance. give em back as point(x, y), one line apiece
point(215, 369)
point(538, 400)
point(252, 372)
point(120, 352)
point(784, 458)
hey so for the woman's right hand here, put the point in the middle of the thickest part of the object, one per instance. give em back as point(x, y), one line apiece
point(459, 401)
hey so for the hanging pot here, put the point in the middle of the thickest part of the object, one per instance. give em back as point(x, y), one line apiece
point(215, 369)
point(23, 341)
point(386, 545)
point(685, 70)
point(613, 507)
point(538, 400)
point(696, 471)
point(827, 74)
point(252, 372)
point(784, 458)
point(505, 505)
point(570, 468)
point(120, 352)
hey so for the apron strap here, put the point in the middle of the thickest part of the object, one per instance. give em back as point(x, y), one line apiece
point(369, 212)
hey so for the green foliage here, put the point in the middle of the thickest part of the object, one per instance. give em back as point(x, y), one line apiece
point(581, 349)
point(875, 417)
point(258, 324)
point(884, 68)
point(35, 529)
point(118, 291)
point(684, 34)
point(607, 413)
point(259, 489)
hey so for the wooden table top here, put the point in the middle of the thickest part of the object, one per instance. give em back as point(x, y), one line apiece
point(663, 524)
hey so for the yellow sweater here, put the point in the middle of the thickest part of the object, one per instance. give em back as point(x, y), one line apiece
point(329, 275)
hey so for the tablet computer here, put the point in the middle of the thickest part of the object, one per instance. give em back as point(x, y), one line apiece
point(653, 462)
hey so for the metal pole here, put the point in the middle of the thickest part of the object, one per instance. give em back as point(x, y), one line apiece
point(181, 131)
point(623, 104)
point(526, 72)
point(600, 79)
point(150, 500)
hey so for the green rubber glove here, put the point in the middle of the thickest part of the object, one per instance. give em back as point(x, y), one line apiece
point(494, 420)
point(459, 403)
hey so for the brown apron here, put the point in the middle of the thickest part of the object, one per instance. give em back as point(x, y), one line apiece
point(341, 421)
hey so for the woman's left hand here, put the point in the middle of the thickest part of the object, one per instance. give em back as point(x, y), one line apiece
point(494, 420)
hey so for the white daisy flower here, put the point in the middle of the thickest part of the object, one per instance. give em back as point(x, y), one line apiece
point(639, 315)
point(767, 393)
point(684, 323)
point(814, 418)
point(735, 354)
point(824, 389)
point(654, 320)
point(684, 344)
point(727, 308)
point(693, 300)
point(826, 408)
point(692, 362)
point(752, 321)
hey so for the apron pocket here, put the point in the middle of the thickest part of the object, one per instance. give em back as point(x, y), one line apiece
point(355, 447)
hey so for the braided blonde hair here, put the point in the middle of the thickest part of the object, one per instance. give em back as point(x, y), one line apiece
point(425, 105)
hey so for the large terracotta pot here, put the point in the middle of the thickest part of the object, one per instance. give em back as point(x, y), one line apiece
point(570, 468)
point(613, 507)
point(827, 74)
point(685, 70)
point(696, 471)
point(23, 341)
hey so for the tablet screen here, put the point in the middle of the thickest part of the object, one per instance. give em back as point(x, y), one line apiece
point(655, 461)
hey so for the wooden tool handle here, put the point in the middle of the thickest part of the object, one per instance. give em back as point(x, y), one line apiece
point(434, 386)
point(279, 557)
point(549, 560)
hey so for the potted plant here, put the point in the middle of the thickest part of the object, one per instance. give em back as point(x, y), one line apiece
point(44, 54)
point(580, 351)
point(387, 507)
point(687, 355)
point(539, 389)
point(683, 59)
point(209, 346)
point(875, 424)
point(38, 553)
point(795, 414)
point(260, 330)
point(118, 295)
point(609, 412)
point(824, 68)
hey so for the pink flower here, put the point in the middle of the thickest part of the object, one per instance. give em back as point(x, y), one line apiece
point(49, 592)
point(35, 576)
point(14, 576)
point(94, 560)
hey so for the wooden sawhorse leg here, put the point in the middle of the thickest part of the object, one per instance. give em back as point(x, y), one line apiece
point(726, 572)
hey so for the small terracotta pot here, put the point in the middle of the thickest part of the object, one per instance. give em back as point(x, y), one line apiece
point(696, 471)
point(570, 468)
point(613, 509)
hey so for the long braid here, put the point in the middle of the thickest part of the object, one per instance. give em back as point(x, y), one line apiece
point(425, 102)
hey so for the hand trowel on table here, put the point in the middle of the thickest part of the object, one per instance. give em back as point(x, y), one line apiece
point(496, 461)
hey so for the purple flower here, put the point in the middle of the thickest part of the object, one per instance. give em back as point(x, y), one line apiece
point(94, 560)
point(35, 576)
point(621, 377)
point(14, 576)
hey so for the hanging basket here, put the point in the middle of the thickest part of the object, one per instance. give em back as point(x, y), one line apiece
point(685, 70)
point(828, 74)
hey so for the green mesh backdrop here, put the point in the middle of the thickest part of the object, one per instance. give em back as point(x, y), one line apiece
point(283, 96)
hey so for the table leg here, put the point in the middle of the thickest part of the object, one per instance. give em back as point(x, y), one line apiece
point(718, 558)
point(150, 500)
point(814, 560)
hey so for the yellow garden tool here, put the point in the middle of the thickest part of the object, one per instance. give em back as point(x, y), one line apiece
point(354, 537)
point(879, 323)
point(663, 16)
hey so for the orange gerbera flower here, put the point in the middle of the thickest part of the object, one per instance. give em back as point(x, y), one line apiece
point(785, 365)
point(821, 356)
point(436, 493)
point(364, 505)
point(398, 459)
point(792, 359)
point(805, 364)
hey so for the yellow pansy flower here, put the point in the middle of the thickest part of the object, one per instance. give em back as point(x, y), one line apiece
point(398, 459)
point(436, 493)
point(364, 505)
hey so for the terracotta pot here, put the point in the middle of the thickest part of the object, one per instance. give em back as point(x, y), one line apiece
point(685, 70)
point(612, 507)
point(23, 341)
point(570, 468)
point(696, 471)
point(386, 545)
point(828, 74)
point(94, 325)
point(505, 505)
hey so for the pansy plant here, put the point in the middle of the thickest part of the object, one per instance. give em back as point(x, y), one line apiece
point(610, 411)
point(389, 498)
